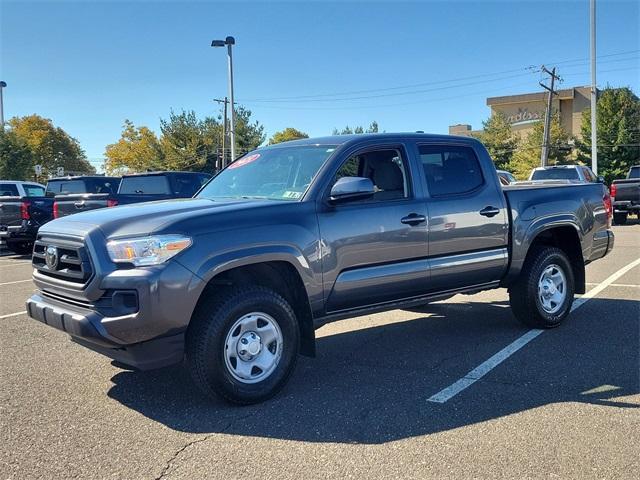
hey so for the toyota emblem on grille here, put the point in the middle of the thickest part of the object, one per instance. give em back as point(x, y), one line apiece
point(51, 257)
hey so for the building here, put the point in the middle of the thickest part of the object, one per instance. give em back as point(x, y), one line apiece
point(522, 111)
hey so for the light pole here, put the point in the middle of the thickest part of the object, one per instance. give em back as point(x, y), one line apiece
point(594, 91)
point(2, 85)
point(229, 42)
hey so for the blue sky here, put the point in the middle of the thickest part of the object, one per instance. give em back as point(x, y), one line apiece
point(90, 65)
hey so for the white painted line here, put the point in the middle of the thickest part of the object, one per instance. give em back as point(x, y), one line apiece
point(488, 365)
point(17, 281)
point(12, 315)
point(623, 285)
point(16, 264)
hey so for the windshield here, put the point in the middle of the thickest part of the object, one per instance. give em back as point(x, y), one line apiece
point(556, 174)
point(282, 173)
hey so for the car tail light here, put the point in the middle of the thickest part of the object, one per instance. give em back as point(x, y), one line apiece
point(55, 210)
point(606, 201)
point(112, 202)
point(24, 210)
point(614, 189)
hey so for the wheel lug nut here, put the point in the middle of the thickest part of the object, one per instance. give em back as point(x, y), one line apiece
point(242, 352)
point(244, 341)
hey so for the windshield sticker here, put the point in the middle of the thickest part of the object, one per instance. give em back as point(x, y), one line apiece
point(241, 162)
point(291, 194)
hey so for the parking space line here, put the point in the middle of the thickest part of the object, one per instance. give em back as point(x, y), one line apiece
point(485, 367)
point(623, 285)
point(17, 281)
point(16, 264)
point(12, 315)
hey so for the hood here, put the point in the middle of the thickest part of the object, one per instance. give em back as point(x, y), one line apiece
point(143, 218)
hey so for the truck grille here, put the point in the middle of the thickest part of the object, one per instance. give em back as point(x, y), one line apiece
point(62, 258)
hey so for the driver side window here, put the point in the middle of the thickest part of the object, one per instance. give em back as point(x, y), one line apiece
point(387, 169)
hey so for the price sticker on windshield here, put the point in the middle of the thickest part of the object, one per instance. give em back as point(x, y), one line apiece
point(241, 162)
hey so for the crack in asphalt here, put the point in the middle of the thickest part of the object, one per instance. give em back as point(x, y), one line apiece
point(178, 452)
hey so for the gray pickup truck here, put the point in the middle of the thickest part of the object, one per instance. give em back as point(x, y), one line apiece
point(292, 236)
point(625, 195)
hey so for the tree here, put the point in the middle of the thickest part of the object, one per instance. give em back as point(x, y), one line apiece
point(189, 143)
point(373, 128)
point(287, 135)
point(249, 136)
point(527, 156)
point(138, 150)
point(16, 159)
point(618, 126)
point(50, 146)
point(499, 139)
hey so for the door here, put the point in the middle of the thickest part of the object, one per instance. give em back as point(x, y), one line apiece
point(374, 250)
point(468, 224)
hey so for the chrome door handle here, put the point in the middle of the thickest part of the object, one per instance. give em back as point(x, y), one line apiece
point(489, 211)
point(413, 219)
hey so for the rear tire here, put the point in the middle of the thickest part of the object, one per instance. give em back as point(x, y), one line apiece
point(242, 344)
point(620, 218)
point(542, 295)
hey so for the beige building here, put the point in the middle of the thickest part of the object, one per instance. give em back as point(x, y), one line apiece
point(522, 111)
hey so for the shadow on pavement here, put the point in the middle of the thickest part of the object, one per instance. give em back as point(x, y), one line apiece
point(371, 385)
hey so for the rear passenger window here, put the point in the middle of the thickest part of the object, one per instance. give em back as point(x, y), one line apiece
point(8, 190)
point(450, 170)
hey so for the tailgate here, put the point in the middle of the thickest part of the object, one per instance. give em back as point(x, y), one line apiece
point(10, 212)
point(627, 191)
point(70, 204)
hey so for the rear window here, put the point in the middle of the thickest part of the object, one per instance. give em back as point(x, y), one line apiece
point(186, 185)
point(33, 190)
point(8, 190)
point(634, 172)
point(72, 186)
point(145, 184)
point(556, 174)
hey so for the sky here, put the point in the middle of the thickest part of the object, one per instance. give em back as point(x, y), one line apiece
point(315, 65)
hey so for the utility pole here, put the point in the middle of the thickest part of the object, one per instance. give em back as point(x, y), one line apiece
point(2, 85)
point(594, 92)
point(224, 131)
point(544, 157)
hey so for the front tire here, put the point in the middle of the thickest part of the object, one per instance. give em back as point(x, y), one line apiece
point(242, 344)
point(542, 295)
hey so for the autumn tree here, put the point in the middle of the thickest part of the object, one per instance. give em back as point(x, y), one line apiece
point(16, 159)
point(287, 135)
point(50, 146)
point(138, 150)
point(618, 127)
point(499, 139)
point(528, 154)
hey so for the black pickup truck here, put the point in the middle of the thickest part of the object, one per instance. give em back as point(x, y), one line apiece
point(626, 196)
point(298, 234)
point(23, 209)
point(136, 188)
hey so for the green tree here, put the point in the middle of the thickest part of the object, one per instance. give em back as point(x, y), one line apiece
point(527, 156)
point(499, 139)
point(50, 146)
point(249, 135)
point(373, 128)
point(618, 126)
point(137, 150)
point(16, 159)
point(287, 135)
point(189, 143)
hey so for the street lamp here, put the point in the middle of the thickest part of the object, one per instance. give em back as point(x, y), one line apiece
point(2, 85)
point(229, 42)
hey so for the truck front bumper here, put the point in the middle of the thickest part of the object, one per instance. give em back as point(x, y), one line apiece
point(86, 328)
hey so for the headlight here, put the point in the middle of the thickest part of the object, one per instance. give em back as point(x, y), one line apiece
point(144, 251)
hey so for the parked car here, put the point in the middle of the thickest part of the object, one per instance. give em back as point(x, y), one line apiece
point(572, 173)
point(143, 187)
point(506, 178)
point(295, 235)
point(23, 209)
point(625, 194)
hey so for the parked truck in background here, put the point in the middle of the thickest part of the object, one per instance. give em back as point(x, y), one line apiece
point(298, 234)
point(135, 188)
point(625, 194)
point(23, 209)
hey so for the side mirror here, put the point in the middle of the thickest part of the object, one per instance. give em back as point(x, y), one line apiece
point(601, 180)
point(351, 188)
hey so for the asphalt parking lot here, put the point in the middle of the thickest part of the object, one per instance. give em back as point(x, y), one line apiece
point(564, 405)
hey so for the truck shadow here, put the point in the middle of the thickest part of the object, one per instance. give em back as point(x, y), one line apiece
point(371, 385)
